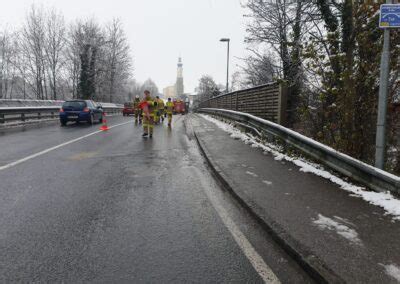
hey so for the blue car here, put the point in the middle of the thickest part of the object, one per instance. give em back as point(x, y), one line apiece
point(80, 110)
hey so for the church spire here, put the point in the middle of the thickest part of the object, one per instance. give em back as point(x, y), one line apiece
point(179, 79)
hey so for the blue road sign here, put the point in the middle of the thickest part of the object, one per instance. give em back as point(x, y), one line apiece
point(390, 16)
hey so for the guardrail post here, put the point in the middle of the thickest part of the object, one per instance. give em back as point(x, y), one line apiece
point(2, 119)
point(39, 115)
point(282, 103)
point(23, 116)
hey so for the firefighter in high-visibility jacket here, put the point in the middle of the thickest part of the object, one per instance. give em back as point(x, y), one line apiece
point(137, 110)
point(169, 109)
point(160, 109)
point(148, 106)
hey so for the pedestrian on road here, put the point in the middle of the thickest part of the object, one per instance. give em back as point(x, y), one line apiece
point(160, 109)
point(137, 110)
point(169, 110)
point(148, 107)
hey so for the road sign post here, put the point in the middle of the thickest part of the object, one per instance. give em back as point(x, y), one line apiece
point(389, 18)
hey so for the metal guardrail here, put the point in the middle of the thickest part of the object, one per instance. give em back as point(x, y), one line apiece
point(367, 175)
point(26, 103)
point(24, 113)
point(8, 114)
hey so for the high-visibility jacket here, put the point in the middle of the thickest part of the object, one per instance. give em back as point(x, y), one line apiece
point(136, 103)
point(148, 106)
point(160, 104)
point(169, 107)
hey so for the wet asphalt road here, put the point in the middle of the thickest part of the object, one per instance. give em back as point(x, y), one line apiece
point(114, 207)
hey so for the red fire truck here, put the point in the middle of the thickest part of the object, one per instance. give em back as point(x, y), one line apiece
point(179, 107)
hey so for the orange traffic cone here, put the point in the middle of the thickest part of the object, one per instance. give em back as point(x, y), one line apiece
point(104, 126)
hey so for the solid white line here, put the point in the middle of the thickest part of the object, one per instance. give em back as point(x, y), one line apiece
point(258, 263)
point(20, 161)
point(255, 259)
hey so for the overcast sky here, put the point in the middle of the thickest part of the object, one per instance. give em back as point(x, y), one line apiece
point(159, 31)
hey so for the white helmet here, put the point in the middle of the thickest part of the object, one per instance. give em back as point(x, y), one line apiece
point(137, 96)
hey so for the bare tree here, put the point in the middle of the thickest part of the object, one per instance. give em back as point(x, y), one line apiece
point(118, 61)
point(151, 86)
point(32, 49)
point(8, 55)
point(48, 59)
point(280, 25)
point(207, 88)
point(54, 46)
point(85, 45)
point(75, 40)
point(260, 68)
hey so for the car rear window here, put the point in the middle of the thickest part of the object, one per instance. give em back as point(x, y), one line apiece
point(74, 104)
point(127, 105)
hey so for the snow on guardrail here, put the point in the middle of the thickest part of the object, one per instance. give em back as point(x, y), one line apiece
point(368, 175)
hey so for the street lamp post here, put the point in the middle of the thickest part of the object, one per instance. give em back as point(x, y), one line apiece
point(227, 40)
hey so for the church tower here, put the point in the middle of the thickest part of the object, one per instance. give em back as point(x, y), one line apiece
point(179, 88)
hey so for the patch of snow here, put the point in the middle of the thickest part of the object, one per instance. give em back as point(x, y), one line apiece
point(326, 223)
point(251, 174)
point(237, 137)
point(393, 271)
point(314, 143)
point(376, 13)
point(267, 182)
point(344, 220)
point(385, 200)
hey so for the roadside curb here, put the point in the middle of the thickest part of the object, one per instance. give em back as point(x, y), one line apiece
point(311, 264)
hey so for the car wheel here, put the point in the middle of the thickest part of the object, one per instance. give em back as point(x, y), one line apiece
point(63, 122)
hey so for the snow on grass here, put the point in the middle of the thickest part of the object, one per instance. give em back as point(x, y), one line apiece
point(385, 200)
point(326, 223)
point(393, 271)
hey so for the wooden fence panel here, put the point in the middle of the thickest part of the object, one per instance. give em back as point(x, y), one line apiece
point(266, 101)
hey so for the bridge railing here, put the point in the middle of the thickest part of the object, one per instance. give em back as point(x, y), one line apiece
point(49, 110)
point(267, 101)
point(367, 175)
point(8, 114)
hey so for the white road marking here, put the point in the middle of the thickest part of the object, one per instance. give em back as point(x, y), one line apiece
point(20, 161)
point(255, 259)
point(263, 270)
point(258, 263)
